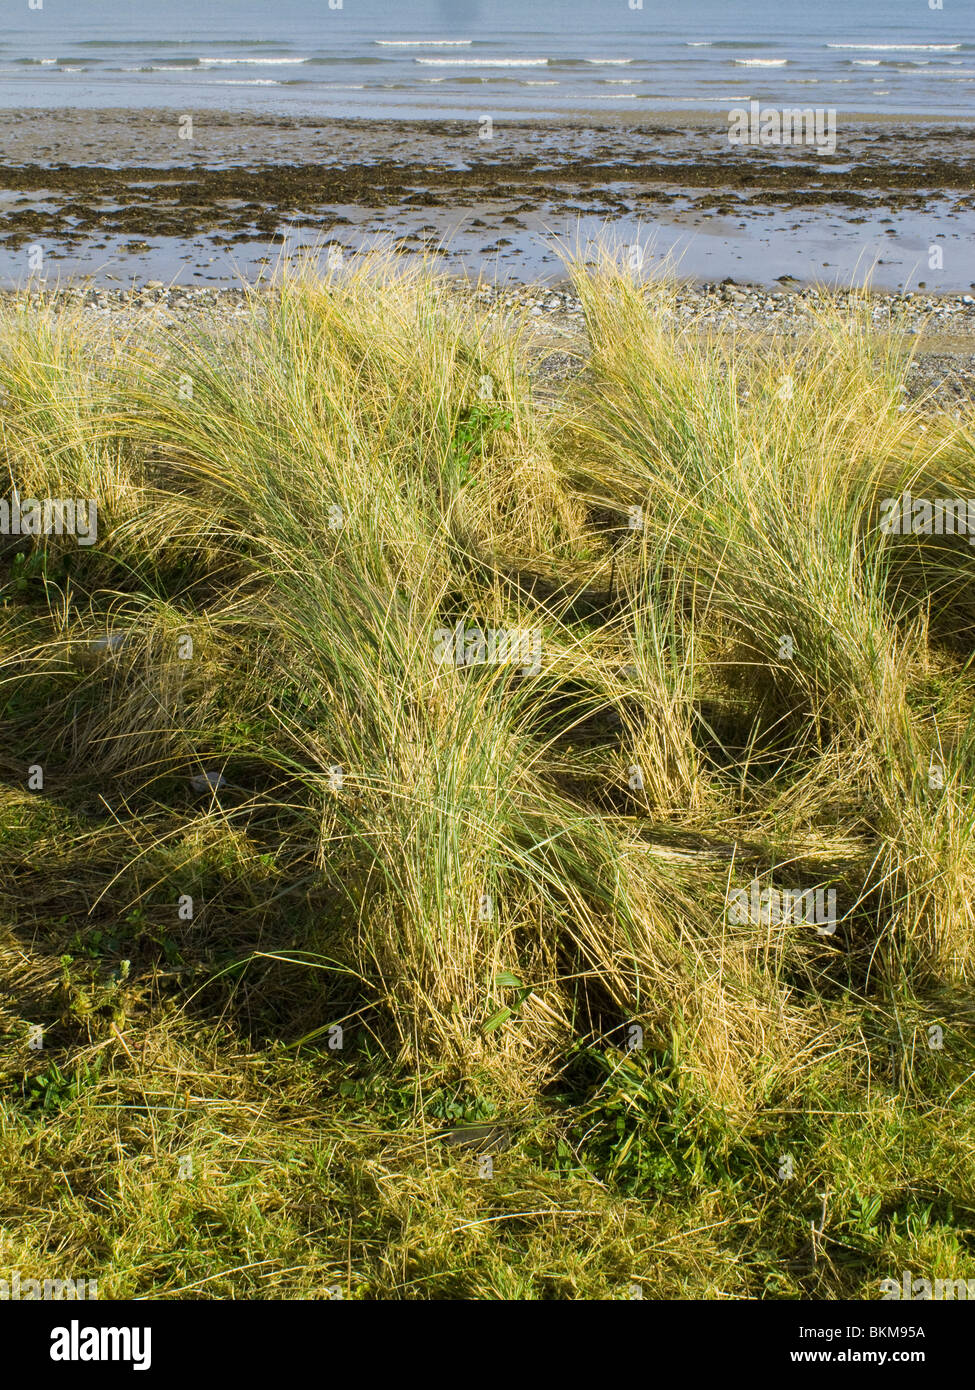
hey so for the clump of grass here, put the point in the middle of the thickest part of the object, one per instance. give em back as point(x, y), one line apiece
point(300, 895)
point(759, 479)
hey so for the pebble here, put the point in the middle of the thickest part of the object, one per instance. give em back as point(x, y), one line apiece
point(208, 781)
point(787, 310)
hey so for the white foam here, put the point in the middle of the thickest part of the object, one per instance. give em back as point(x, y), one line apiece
point(866, 62)
point(483, 62)
point(243, 82)
point(900, 47)
point(761, 62)
point(610, 62)
point(262, 62)
point(423, 43)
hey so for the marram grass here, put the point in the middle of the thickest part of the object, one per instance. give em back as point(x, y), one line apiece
point(295, 897)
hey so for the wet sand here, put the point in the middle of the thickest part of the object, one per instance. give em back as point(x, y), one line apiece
point(125, 183)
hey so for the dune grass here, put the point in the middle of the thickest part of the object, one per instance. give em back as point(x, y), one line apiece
point(364, 972)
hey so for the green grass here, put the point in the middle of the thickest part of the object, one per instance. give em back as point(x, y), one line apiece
point(361, 1021)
